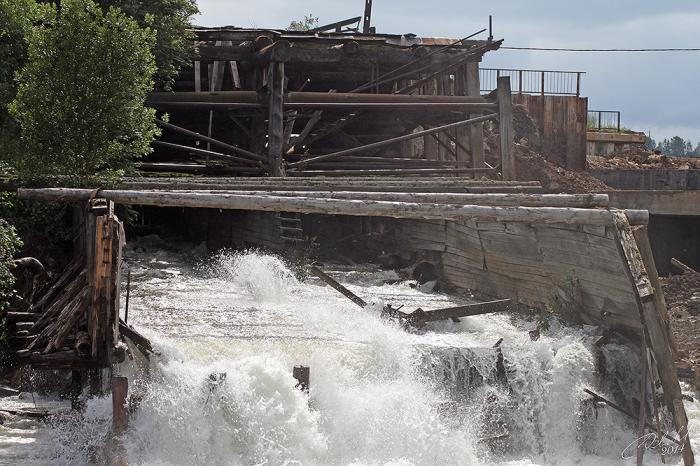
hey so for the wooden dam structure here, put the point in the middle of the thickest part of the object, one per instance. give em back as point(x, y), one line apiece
point(323, 134)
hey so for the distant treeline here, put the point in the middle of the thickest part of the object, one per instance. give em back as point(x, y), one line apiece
point(676, 146)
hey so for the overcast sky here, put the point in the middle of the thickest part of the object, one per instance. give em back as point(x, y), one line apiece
point(655, 91)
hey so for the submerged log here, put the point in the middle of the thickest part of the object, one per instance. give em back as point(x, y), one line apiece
point(419, 317)
point(141, 342)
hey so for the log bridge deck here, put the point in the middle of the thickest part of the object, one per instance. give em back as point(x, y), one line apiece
point(516, 244)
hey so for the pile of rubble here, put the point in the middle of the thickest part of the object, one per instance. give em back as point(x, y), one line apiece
point(643, 159)
point(532, 166)
point(682, 294)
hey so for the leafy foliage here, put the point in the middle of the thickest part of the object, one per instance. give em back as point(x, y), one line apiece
point(16, 20)
point(170, 19)
point(45, 228)
point(308, 22)
point(80, 97)
point(9, 244)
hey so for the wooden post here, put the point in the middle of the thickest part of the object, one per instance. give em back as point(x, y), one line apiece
point(430, 144)
point(275, 130)
point(302, 374)
point(76, 390)
point(505, 126)
point(120, 389)
point(476, 132)
point(367, 18)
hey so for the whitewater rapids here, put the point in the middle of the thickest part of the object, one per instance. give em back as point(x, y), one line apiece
point(379, 395)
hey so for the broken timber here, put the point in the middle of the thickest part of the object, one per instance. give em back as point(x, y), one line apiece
point(419, 317)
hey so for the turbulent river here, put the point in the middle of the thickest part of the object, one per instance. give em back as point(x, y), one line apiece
point(378, 394)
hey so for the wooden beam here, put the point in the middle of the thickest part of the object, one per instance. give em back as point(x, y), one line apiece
point(212, 141)
point(419, 317)
point(206, 153)
point(544, 215)
point(337, 286)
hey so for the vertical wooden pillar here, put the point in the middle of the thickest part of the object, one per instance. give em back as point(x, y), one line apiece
point(476, 132)
point(505, 126)
point(101, 234)
point(275, 126)
point(367, 17)
point(430, 144)
point(120, 389)
point(462, 134)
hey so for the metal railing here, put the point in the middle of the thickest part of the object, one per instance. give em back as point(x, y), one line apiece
point(604, 120)
point(533, 81)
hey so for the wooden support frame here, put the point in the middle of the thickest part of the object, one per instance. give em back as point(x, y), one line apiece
point(395, 140)
point(654, 328)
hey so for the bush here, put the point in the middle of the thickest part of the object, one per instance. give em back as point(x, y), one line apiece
point(80, 98)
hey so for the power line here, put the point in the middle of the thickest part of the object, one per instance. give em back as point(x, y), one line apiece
point(554, 49)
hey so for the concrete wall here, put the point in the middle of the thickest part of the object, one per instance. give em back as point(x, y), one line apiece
point(656, 179)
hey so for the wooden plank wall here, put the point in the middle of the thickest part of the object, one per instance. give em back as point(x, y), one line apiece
point(242, 229)
point(562, 123)
point(529, 263)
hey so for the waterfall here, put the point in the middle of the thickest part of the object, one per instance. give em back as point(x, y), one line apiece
point(230, 328)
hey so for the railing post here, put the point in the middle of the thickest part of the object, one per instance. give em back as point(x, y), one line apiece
point(505, 127)
point(618, 122)
point(520, 81)
point(578, 84)
point(600, 116)
point(542, 82)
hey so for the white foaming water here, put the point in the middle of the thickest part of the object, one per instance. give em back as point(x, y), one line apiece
point(379, 395)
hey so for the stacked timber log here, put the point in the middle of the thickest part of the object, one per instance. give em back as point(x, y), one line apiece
point(513, 212)
point(74, 324)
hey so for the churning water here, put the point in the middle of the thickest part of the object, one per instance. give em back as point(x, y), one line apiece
point(229, 330)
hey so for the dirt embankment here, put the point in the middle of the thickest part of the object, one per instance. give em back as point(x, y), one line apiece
point(682, 293)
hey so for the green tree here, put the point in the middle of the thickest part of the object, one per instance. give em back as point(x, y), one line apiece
point(309, 22)
point(676, 146)
point(9, 244)
point(80, 97)
point(174, 45)
point(649, 143)
point(16, 20)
